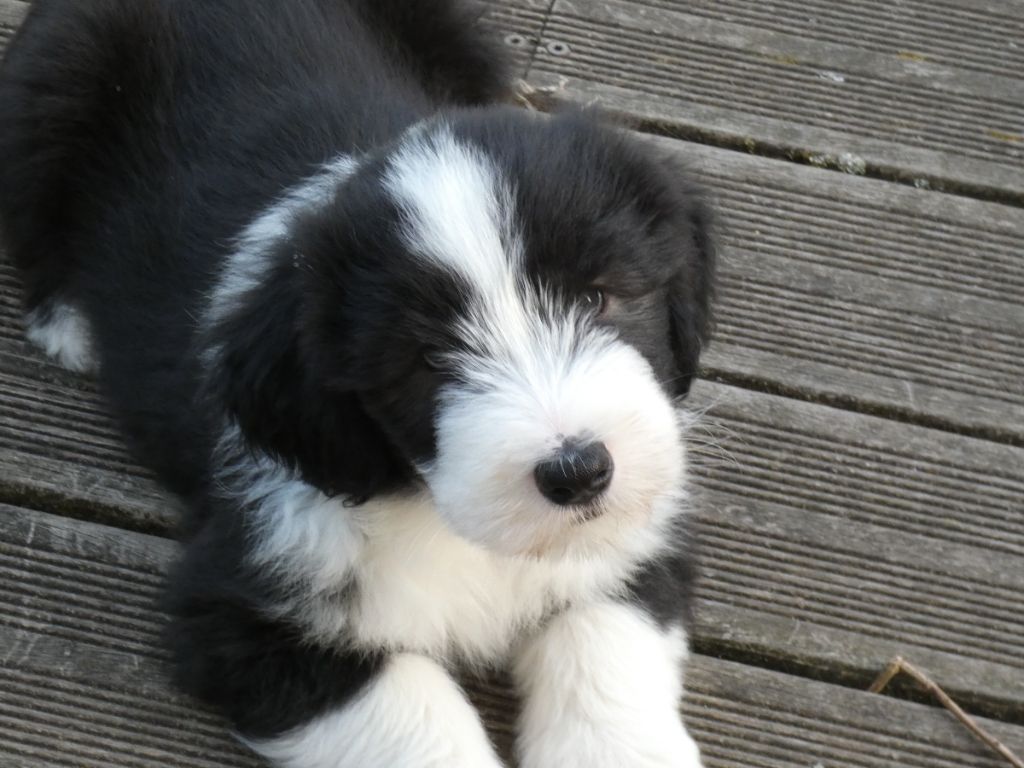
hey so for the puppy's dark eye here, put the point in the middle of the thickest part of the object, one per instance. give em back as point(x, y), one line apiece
point(593, 300)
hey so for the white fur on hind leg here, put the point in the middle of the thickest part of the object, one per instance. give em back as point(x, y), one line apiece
point(602, 685)
point(63, 333)
point(413, 715)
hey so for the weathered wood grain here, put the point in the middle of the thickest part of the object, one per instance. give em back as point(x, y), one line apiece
point(867, 293)
point(833, 541)
point(82, 682)
point(518, 25)
point(824, 95)
point(59, 448)
point(964, 34)
point(865, 469)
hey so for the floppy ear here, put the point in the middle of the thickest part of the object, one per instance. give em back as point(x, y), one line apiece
point(692, 290)
point(260, 376)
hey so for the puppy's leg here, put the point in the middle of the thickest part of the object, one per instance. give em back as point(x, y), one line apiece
point(602, 685)
point(411, 715)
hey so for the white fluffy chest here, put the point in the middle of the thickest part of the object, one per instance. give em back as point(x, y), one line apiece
point(420, 587)
point(390, 574)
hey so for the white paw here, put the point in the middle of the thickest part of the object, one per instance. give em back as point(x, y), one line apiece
point(587, 745)
point(63, 333)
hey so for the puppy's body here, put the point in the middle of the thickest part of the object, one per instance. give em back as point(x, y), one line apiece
point(408, 358)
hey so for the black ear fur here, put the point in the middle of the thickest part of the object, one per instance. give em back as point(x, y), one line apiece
point(274, 391)
point(692, 290)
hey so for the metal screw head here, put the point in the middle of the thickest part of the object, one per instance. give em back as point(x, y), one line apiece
point(558, 48)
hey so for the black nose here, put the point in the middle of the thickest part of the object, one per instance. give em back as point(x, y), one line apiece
point(576, 475)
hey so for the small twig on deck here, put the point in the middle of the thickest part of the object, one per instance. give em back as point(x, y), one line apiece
point(522, 93)
point(899, 664)
point(536, 98)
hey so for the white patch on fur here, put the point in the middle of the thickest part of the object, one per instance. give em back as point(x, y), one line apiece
point(458, 210)
point(419, 586)
point(246, 267)
point(63, 333)
point(423, 587)
point(413, 715)
point(307, 540)
point(537, 370)
point(602, 686)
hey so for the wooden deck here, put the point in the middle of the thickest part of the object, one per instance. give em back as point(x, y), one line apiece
point(864, 487)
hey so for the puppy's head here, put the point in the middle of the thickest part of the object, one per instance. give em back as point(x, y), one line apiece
point(502, 306)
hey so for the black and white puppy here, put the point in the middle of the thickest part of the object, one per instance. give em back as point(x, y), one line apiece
point(410, 357)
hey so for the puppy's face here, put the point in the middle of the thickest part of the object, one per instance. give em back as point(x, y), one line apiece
point(519, 302)
point(527, 298)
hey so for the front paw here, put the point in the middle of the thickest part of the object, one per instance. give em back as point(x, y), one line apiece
point(619, 745)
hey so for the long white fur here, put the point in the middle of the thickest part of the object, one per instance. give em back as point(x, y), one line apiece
point(246, 267)
point(62, 332)
point(413, 715)
point(602, 687)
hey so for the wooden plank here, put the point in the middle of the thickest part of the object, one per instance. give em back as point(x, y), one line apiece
point(518, 25)
point(865, 469)
point(923, 93)
point(833, 541)
point(961, 34)
point(84, 684)
point(867, 293)
point(821, 597)
point(82, 677)
point(59, 448)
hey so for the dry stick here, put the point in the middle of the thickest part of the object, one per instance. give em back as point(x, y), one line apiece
point(521, 93)
point(900, 664)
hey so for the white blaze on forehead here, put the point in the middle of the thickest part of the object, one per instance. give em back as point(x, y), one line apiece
point(459, 215)
point(458, 209)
